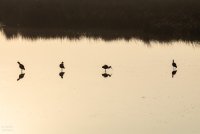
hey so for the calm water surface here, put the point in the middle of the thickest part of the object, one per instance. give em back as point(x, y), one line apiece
point(141, 97)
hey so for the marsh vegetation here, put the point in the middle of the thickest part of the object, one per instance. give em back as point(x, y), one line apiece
point(165, 20)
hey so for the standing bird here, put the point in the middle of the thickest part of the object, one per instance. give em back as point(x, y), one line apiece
point(106, 67)
point(62, 66)
point(174, 64)
point(21, 76)
point(21, 66)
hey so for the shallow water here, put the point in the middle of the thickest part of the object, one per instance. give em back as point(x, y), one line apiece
point(141, 96)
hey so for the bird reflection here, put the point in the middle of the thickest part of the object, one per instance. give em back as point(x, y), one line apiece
point(174, 73)
point(21, 76)
point(61, 74)
point(105, 75)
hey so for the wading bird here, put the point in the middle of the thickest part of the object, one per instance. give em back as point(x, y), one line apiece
point(174, 64)
point(106, 67)
point(21, 66)
point(62, 66)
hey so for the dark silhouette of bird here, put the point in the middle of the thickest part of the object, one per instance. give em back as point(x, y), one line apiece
point(174, 73)
point(106, 67)
point(21, 66)
point(21, 76)
point(174, 64)
point(62, 66)
point(62, 74)
point(105, 75)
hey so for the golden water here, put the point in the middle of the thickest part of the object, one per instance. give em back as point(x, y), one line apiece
point(141, 97)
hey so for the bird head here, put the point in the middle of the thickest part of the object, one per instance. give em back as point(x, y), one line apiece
point(18, 62)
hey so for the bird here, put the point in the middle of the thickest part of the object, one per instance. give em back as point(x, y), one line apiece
point(106, 67)
point(21, 66)
point(61, 74)
point(174, 64)
point(105, 75)
point(62, 65)
point(174, 73)
point(21, 76)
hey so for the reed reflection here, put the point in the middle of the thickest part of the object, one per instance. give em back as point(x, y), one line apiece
point(106, 35)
